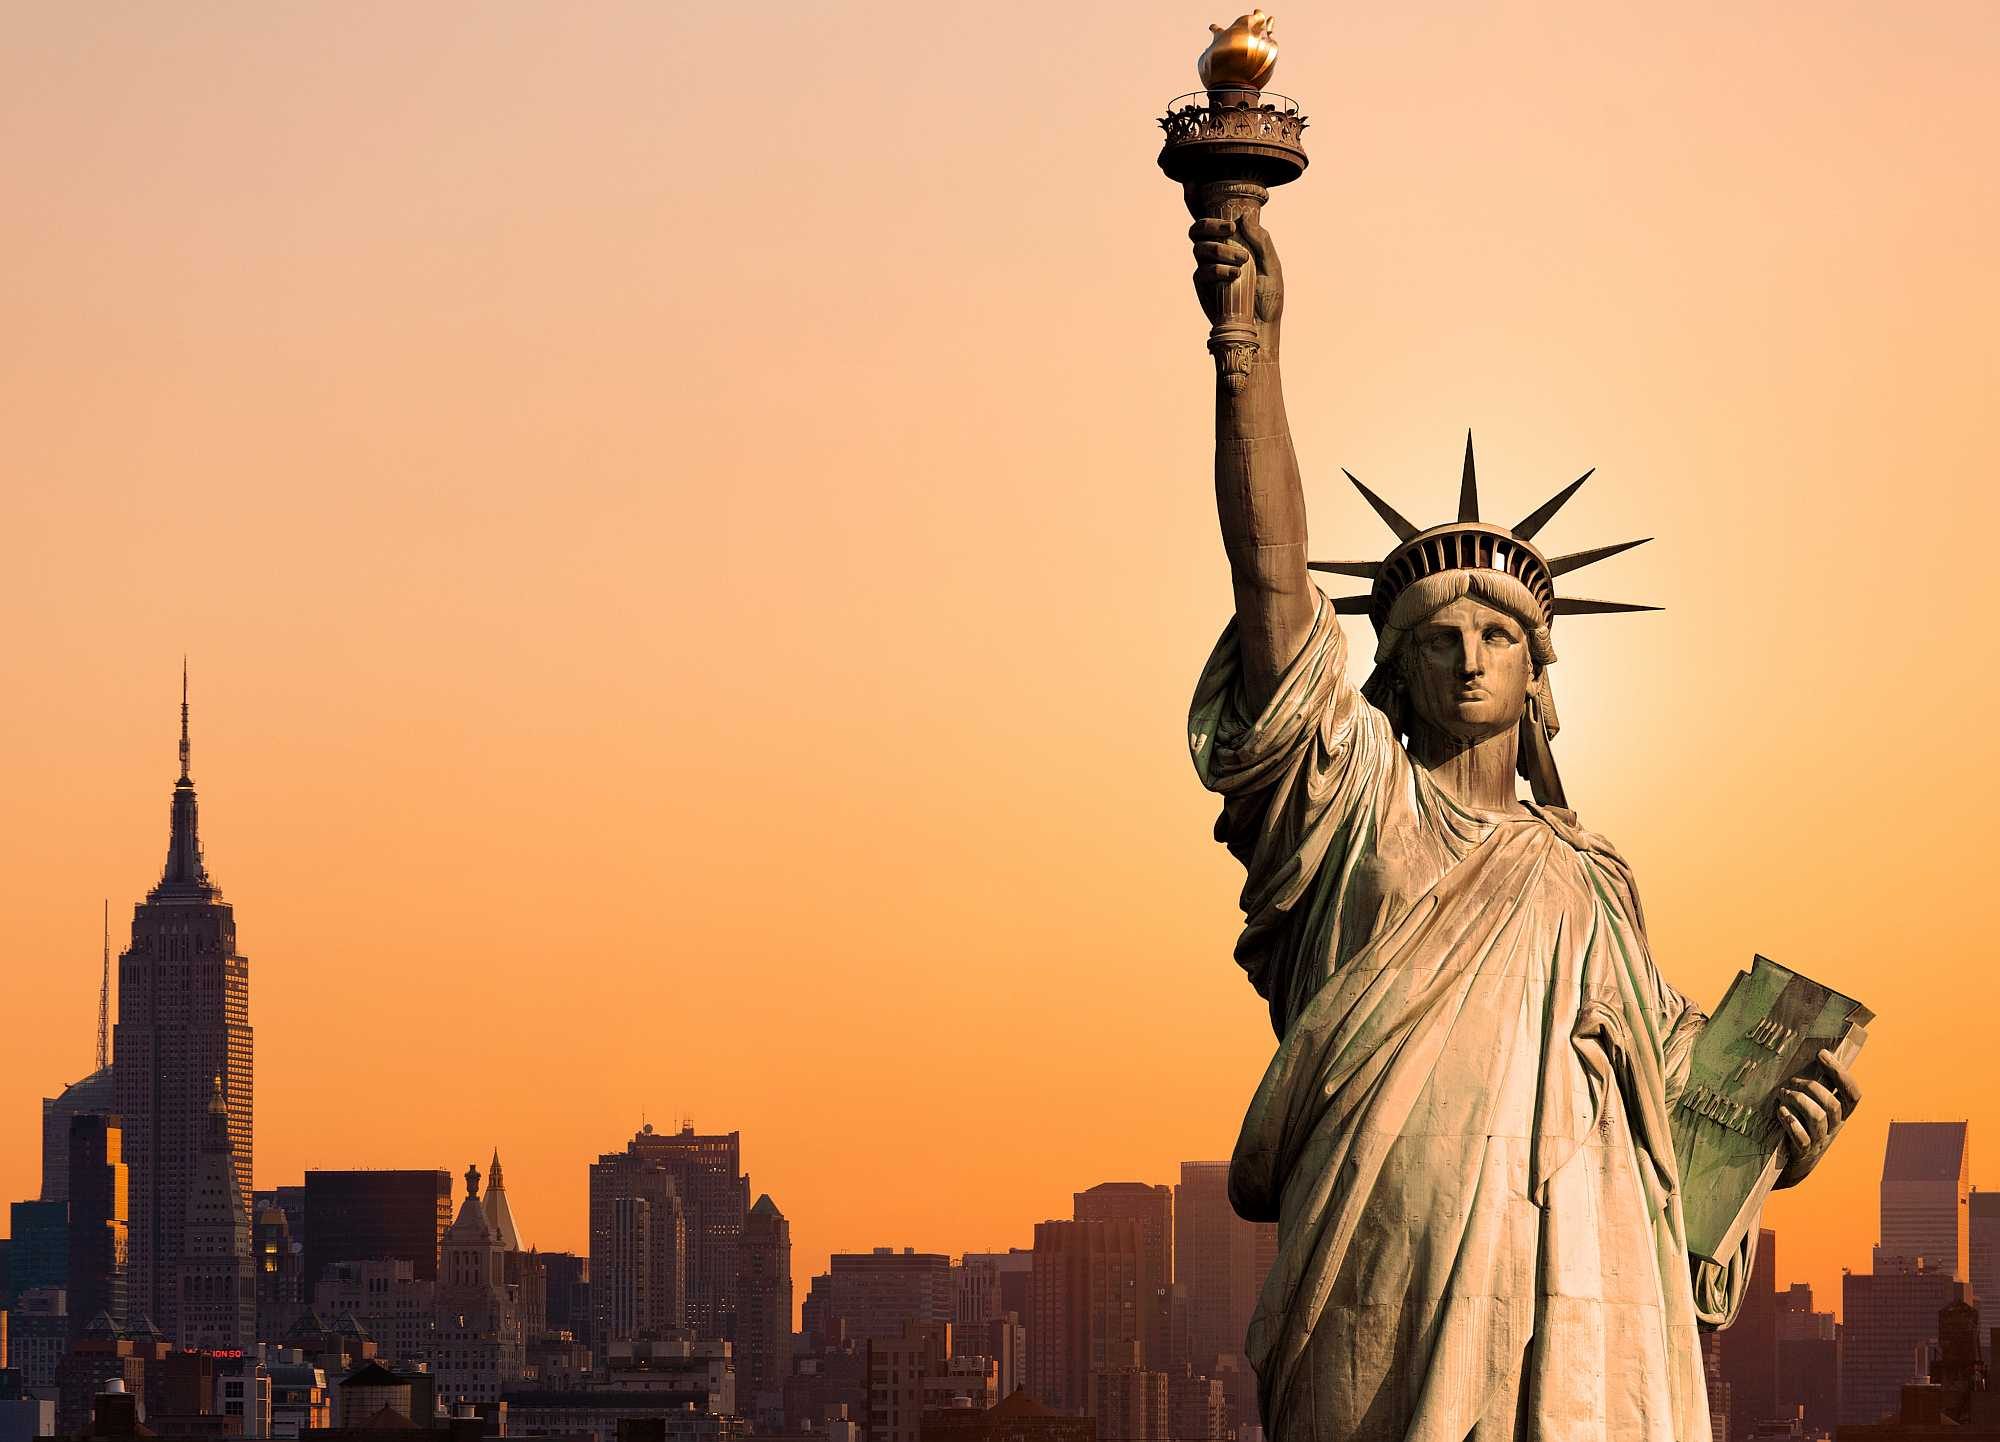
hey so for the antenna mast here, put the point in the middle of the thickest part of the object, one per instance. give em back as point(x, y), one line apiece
point(104, 997)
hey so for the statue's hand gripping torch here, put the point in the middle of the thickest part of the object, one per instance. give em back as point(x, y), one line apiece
point(1226, 145)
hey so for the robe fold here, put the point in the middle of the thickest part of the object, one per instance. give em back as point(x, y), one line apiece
point(1463, 1134)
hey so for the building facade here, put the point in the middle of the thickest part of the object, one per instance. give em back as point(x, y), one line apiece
point(1982, 1236)
point(876, 1294)
point(1151, 1209)
point(1888, 1323)
point(1083, 1308)
point(375, 1216)
point(1220, 1262)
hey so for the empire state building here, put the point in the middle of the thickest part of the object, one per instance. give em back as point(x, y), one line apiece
point(183, 1048)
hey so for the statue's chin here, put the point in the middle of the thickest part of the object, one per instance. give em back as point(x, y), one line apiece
point(1468, 722)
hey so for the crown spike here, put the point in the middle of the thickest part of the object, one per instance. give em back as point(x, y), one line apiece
point(1468, 487)
point(1352, 605)
point(1363, 570)
point(1403, 529)
point(1580, 606)
point(1577, 560)
point(1539, 517)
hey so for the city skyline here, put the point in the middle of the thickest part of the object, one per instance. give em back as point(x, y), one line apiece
point(623, 624)
point(185, 872)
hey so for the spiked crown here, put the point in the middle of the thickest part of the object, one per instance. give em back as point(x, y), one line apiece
point(1469, 543)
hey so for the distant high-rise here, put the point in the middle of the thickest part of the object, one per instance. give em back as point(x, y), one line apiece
point(98, 1240)
point(638, 1251)
point(714, 1196)
point(1220, 1262)
point(183, 1022)
point(1926, 1185)
point(764, 1315)
point(1982, 1236)
point(1750, 1344)
point(877, 1294)
point(95, 1095)
point(1152, 1209)
point(215, 1303)
point(1808, 1362)
point(1083, 1307)
point(567, 1308)
point(375, 1216)
point(1889, 1320)
point(279, 1262)
point(39, 1256)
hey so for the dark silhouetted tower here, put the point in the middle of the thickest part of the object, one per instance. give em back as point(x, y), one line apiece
point(764, 1315)
point(98, 1240)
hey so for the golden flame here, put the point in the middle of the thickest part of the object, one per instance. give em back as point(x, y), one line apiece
point(1241, 57)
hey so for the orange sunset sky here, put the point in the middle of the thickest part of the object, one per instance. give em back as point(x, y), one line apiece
point(691, 524)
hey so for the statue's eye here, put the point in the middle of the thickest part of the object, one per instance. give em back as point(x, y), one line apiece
point(1495, 636)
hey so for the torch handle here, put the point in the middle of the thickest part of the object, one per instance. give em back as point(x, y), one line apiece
point(1232, 340)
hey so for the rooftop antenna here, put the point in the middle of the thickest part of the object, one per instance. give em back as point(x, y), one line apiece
point(104, 997)
point(184, 719)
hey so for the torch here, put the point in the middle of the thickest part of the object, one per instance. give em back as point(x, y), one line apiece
point(1227, 144)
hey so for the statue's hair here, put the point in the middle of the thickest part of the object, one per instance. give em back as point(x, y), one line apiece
point(1427, 595)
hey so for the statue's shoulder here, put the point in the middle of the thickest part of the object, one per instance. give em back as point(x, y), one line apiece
point(1564, 823)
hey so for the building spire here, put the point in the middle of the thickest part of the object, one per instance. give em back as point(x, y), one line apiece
point(184, 870)
point(104, 997)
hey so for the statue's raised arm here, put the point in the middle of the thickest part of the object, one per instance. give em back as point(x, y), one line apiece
point(1258, 498)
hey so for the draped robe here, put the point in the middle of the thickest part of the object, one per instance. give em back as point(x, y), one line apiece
point(1463, 1135)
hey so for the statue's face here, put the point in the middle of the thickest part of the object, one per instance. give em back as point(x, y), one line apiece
point(1467, 670)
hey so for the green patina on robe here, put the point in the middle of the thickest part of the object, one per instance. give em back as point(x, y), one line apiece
point(1463, 1135)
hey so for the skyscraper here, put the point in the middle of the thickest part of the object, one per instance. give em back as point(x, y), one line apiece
point(1808, 1362)
point(98, 1189)
point(638, 1250)
point(1220, 1262)
point(714, 1197)
point(183, 1023)
point(1925, 1188)
point(1152, 1209)
point(764, 1315)
point(1749, 1344)
point(1083, 1307)
point(1982, 1235)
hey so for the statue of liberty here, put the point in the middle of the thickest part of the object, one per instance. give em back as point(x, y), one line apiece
point(1463, 1135)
